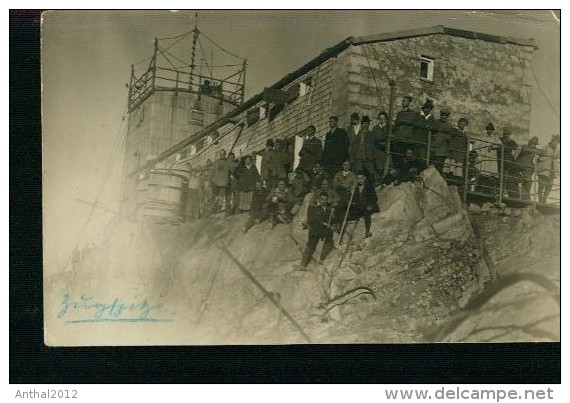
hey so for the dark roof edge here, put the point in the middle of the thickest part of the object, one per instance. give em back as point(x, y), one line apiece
point(440, 29)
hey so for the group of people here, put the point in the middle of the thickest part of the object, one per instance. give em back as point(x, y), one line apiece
point(342, 170)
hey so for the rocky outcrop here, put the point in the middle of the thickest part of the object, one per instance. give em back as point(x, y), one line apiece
point(422, 264)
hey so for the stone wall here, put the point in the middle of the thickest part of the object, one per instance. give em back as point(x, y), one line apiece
point(483, 81)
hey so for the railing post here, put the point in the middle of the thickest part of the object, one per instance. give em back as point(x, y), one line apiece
point(154, 62)
point(131, 86)
point(428, 148)
point(466, 172)
point(502, 174)
point(388, 162)
point(243, 85)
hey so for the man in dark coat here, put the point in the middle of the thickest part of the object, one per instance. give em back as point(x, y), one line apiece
point(362, 151)
point(380, 134)
point(364, 203)
point(317, 175)
point(354, 127)
point(258, 209)
point(410, 167)
point(246, 183)
point(425, 125)
point(336, 147)
point(311, 152)
point(319, 217)
point(404, 127)
point(510, 171)
point(442, 133)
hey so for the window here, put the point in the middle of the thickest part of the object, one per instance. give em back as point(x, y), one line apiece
point(305, 86)
point(426, 68)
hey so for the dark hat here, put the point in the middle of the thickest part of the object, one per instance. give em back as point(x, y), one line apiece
point(365, 119)
point(445, 112)
point(355, 116)
point(533, 139)
point(270, 143)
point(490, 127)
point(463, 120)
point(506, 131)
point(428, 104)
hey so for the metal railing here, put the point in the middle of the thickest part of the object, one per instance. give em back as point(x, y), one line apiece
point(156, 78)
point(486, 170)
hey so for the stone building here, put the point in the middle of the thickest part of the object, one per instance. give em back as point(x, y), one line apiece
point(479, 76)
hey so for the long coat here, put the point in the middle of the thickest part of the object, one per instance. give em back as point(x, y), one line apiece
point(335, 151)
point(310, 153)
point(219, 173)
point(364, 201)
point(441, 135)
point(362, 147)
point(549, 162)
point(458, 143)
point(273, 164)
point(406, 122)
point(247, 178)
point(317, 216)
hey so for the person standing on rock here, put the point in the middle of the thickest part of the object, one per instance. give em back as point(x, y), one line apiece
point(311, 152)
point(364, 203)
point(258, 208)
point(336, 147)
point(319, 217)
point(219, 178)
point(404, 127)
point(246, 185)
point(380, 134)
point(362, 151)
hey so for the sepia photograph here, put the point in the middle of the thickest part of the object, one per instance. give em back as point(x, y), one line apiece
point(274, 177)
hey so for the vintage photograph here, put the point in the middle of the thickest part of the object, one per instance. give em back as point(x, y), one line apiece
point(230, 177)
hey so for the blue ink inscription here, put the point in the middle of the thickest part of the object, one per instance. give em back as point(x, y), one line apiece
point(89, 310)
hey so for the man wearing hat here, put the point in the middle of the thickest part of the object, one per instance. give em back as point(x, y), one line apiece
point(311, 151)
point(458, 146)
point(442, 133)
point(354, 127)
point(362, 151)
point(526, 161)
point(404, 125)
point(273, 164)
point(424, 126)
point(507, 162)
point(336, 147)
point(548, 168)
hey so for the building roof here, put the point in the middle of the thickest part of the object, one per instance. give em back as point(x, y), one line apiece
point(440, 29)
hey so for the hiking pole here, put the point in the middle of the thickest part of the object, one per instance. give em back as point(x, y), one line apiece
point(342, 228)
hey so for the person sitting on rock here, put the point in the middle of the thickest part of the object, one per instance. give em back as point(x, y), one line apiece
point(318, 174)
point(280, 201)
point(258, 207)
point(345, 180)
point(410, 166)
point(319, 216)
point(364, 203)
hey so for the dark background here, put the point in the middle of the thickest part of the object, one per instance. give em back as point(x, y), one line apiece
point(32, 362)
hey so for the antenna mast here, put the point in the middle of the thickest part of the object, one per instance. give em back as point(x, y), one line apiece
point(192, 62)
